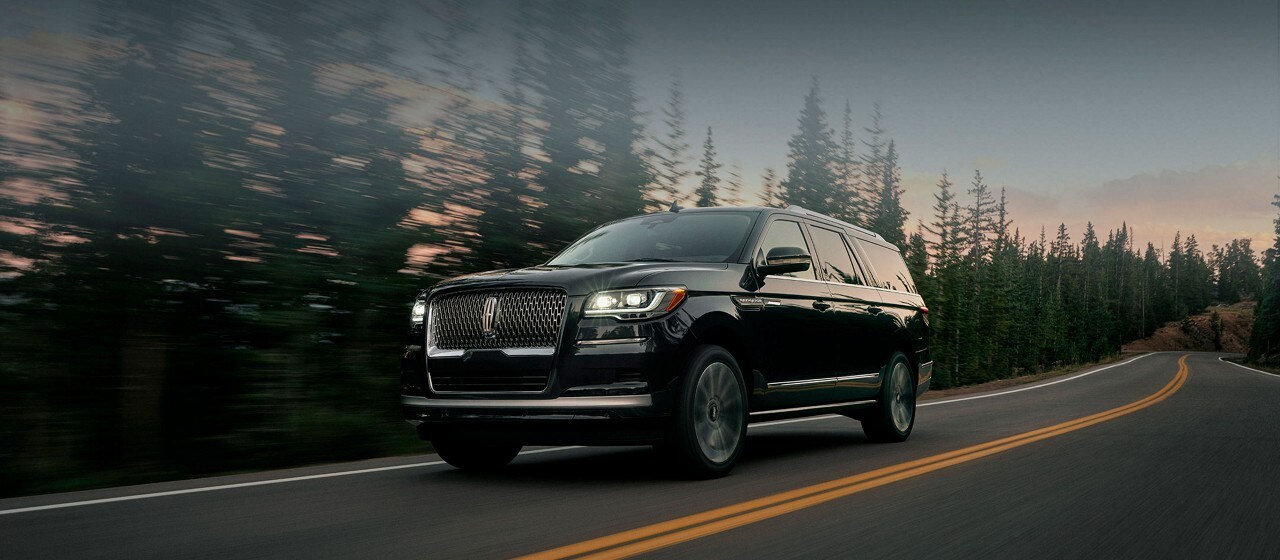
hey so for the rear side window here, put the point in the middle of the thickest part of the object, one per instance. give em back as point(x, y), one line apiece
point(784, 233)
point(888, 267)
point(837, 264)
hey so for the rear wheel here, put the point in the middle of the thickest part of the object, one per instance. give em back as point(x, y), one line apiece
point(475, 456)
point(710, 426)
point(895, 412)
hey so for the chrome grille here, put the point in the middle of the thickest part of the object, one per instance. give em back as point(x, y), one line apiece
point(483, 381)
point(523, 318)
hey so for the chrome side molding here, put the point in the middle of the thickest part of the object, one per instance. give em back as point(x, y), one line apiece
point(611, 401)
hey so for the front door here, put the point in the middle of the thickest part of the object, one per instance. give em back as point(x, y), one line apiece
point(791, 325)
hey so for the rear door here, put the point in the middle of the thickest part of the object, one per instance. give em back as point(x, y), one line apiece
point(860, 333)
point(789, 327)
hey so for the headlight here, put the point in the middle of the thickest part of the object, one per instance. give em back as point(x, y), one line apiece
point(419, 312)
point(638, 303)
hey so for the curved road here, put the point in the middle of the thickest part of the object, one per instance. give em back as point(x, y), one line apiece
point(1142, 459)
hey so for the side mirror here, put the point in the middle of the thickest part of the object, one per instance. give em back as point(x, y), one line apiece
point(782, 260)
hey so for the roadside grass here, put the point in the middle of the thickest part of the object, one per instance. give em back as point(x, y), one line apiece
point(1273, 370)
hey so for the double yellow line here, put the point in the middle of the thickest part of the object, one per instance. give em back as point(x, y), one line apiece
point(660, 535)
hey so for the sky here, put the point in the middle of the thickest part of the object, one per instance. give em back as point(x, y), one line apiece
point(1166, 114)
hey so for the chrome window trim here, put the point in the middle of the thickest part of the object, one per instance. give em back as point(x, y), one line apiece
point(801, 383)
point(833, 380)
point(868, 286)
point(804, 234)
point(559, 402)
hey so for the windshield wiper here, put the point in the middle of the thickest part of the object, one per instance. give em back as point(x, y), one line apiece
point(652, 259)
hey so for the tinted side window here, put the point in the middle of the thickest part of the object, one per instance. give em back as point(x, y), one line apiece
point(837, 265)
point(889, 269)
point(786, 234)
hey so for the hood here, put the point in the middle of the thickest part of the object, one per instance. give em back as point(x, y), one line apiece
point(581, 280)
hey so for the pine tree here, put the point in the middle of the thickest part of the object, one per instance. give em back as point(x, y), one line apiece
point(945, 228)
point(916, 254)
point(707, 192)
point(1264, 344)
point(811, 177)
point(981, 217)
point(890, 217)
point(1002, 221)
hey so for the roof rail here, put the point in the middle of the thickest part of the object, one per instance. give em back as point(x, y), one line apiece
point(802, 210)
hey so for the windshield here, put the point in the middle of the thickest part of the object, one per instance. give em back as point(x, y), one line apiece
point(675, 237)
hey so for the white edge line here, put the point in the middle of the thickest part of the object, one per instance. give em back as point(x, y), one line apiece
point(248, 484)
point(1030, 387)
point(1266, 373)
point(531, 452)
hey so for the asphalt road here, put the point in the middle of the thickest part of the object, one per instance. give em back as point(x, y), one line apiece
point(1181, 468)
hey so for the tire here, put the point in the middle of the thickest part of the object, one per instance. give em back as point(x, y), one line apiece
point(473, 456)
point(710, 424)
point(894, 414)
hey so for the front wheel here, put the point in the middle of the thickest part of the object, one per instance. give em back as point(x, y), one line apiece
point(468, 455)
point(895, 412)
point(711, 415)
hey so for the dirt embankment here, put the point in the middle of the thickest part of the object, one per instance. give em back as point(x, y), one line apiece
point(1199, 333)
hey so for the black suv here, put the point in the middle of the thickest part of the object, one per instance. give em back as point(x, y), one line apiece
point(674, 329)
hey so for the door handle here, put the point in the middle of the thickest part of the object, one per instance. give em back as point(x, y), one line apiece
point(821, 305)
point(874, 310)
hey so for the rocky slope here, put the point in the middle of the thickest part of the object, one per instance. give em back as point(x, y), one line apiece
point(1198, 332)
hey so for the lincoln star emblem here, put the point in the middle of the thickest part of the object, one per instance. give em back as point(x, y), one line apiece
point(489, 317)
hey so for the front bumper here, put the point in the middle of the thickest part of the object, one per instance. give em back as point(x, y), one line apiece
point(594, 420)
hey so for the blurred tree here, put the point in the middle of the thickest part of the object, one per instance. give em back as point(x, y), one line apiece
point(152, 209)
point(675, 150)
point(733, 185)
point(872, 163)
point(593, 168)
point(848, 202)
point(769, 188)
point(501, 224)
point(708, 189)
point(450, 28)
point(625, 175)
